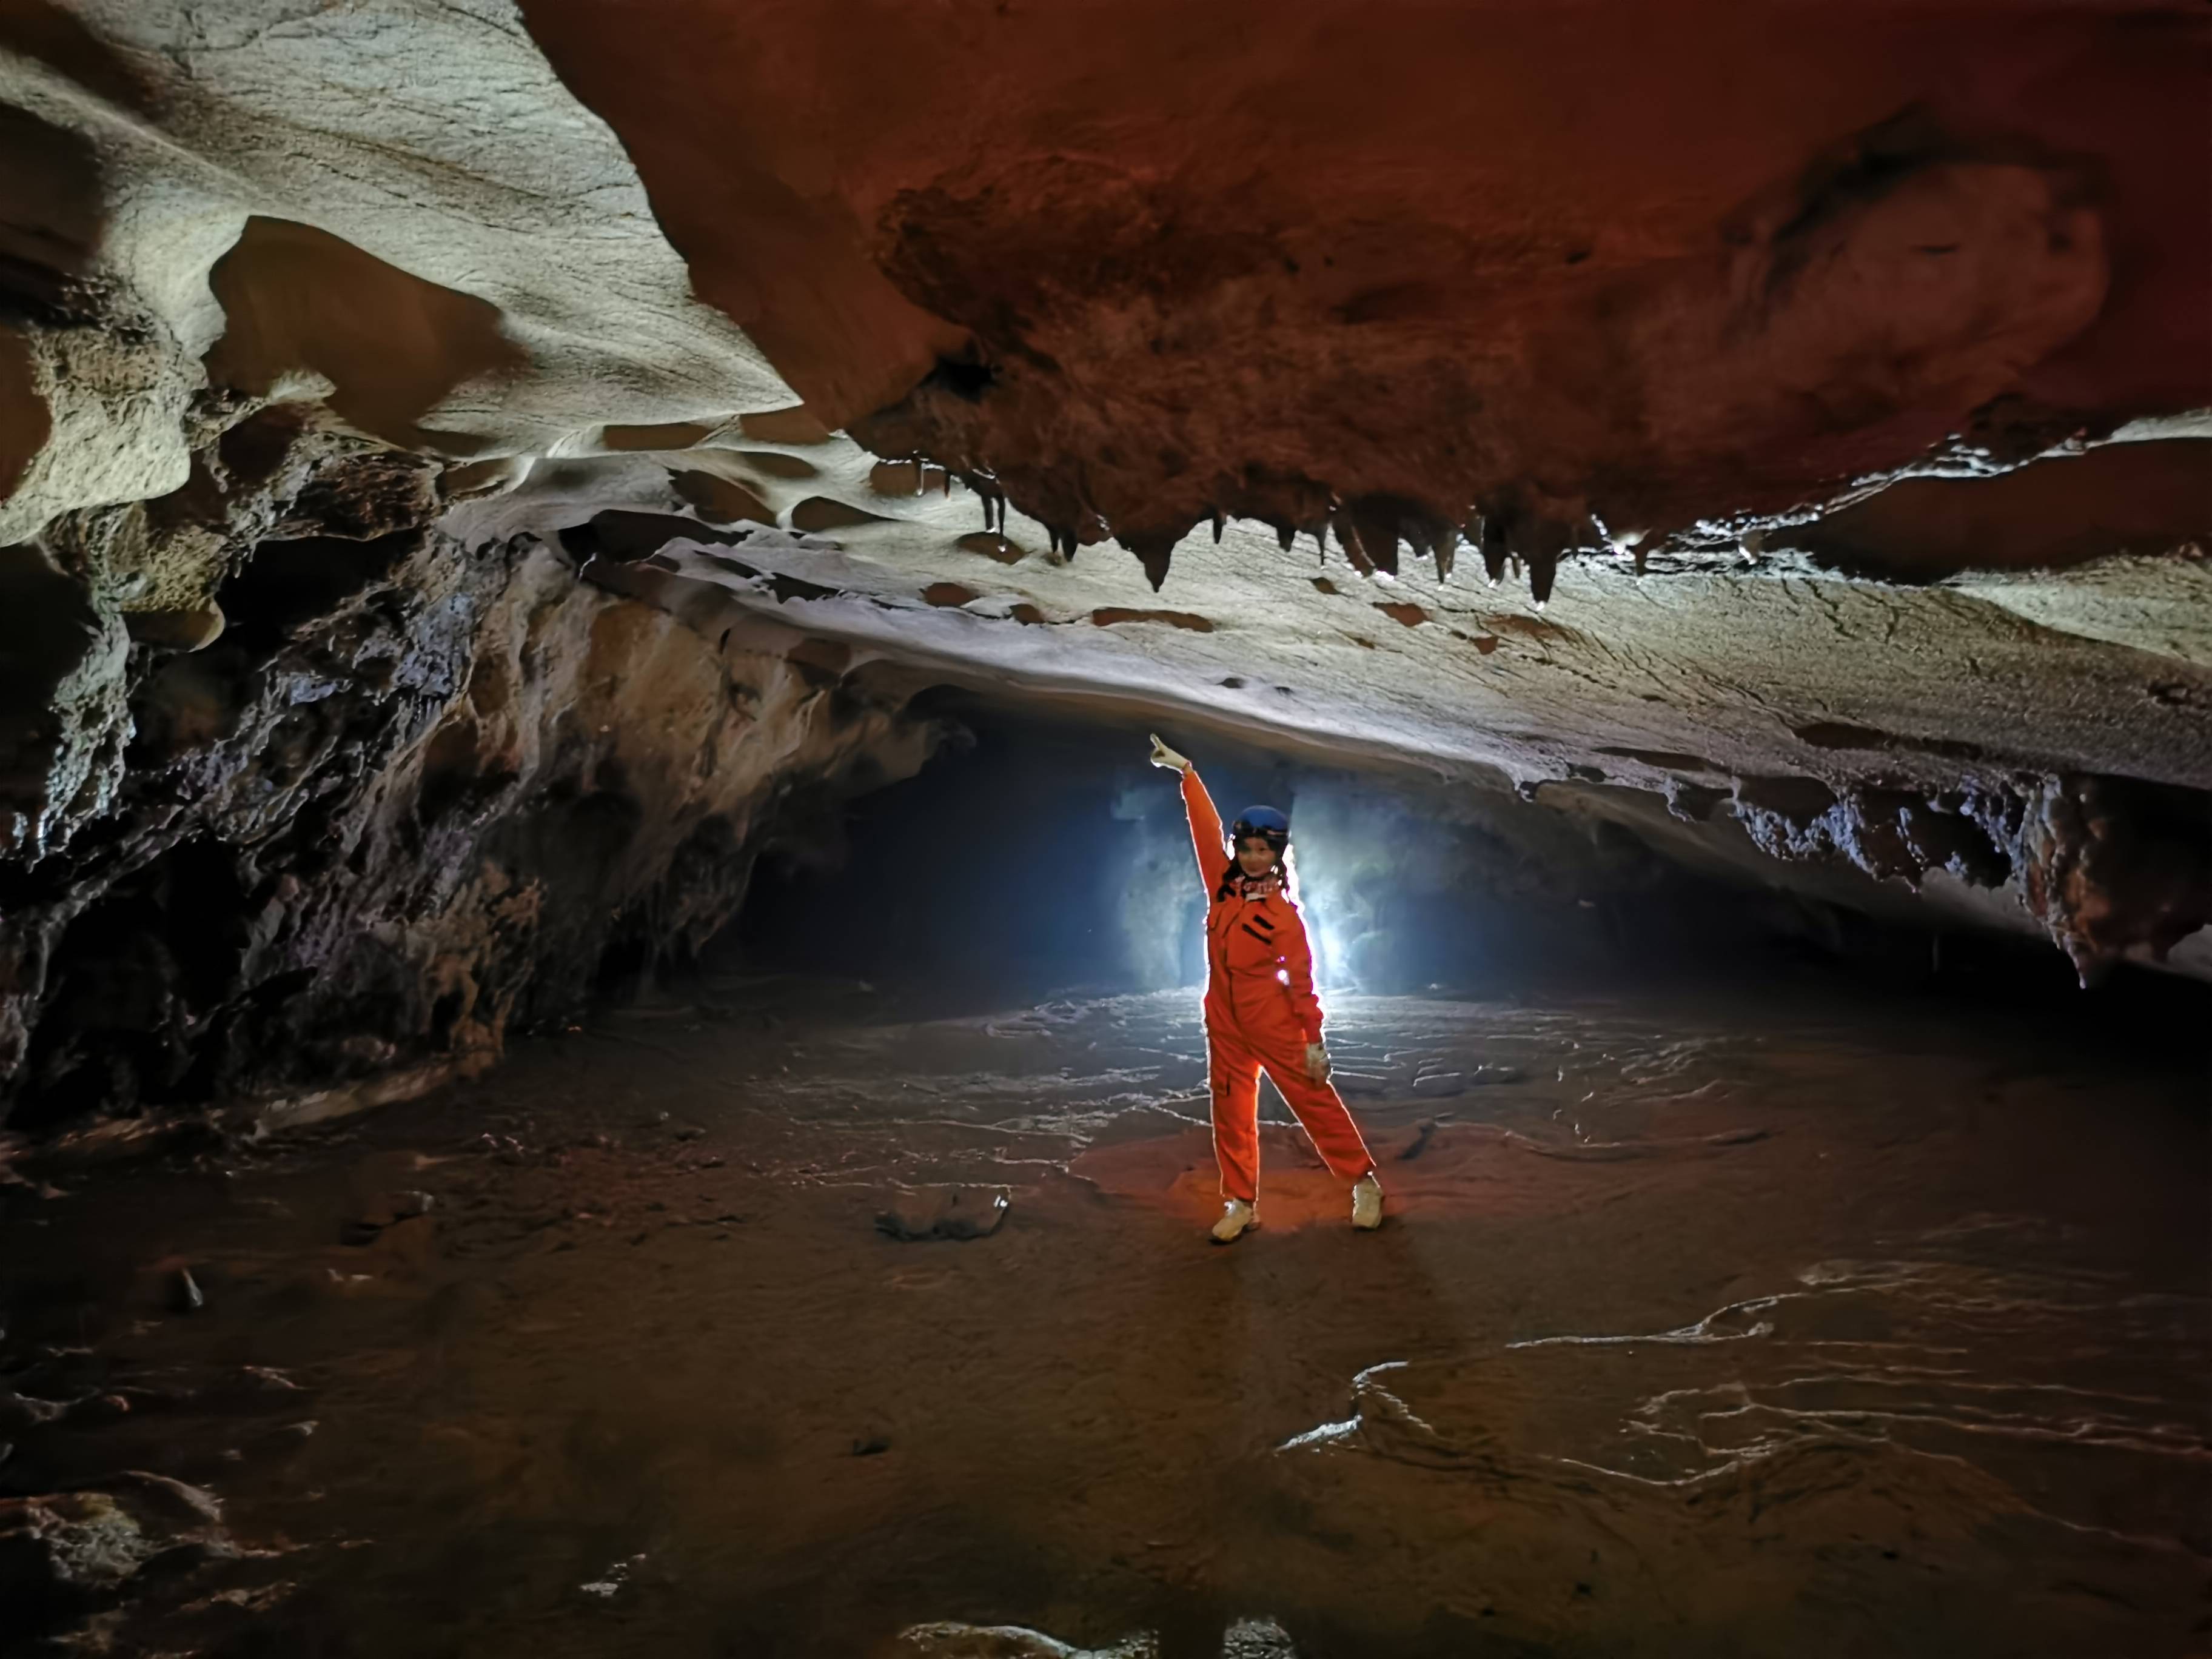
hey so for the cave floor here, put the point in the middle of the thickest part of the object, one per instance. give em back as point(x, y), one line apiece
point(1695, 1330)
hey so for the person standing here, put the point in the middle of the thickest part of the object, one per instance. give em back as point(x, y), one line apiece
point(1262, 1013)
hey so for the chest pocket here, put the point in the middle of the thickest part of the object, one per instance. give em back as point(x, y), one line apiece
point(1244, 936)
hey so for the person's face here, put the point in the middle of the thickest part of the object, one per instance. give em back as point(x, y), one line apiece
point(1255, 856)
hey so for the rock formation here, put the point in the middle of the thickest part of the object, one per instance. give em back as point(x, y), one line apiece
point(466, 467)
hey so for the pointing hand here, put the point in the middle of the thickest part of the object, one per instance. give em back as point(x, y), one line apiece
point(1163, 756)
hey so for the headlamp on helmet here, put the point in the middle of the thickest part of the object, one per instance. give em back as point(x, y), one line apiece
point(1260, 824)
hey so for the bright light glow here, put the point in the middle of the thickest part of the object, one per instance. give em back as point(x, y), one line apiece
point(1371, 873)
point(1153, 890)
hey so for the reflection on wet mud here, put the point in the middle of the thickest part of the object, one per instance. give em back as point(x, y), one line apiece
point(1956, 1414)
point(783, 1322)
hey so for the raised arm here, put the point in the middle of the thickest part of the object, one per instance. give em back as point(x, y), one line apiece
point(1205, 830)
point(1198, 806)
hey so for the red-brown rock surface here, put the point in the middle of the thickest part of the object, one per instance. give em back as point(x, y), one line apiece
point(1665, 262)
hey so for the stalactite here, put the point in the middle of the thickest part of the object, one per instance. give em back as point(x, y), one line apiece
point(1543, 567)
point(1375, 520)
point(1496, 531)
point(1153, 551)
point(1349, 539)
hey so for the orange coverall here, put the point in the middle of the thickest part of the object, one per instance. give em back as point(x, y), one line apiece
point(1260, 1013)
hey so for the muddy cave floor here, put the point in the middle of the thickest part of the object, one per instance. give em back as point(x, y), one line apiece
point(1787, 1327)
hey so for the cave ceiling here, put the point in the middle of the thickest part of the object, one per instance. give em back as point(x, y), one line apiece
point(1784, 429)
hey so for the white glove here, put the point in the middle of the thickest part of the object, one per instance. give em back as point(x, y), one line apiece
point(1163, 756)
point(1317, 1061)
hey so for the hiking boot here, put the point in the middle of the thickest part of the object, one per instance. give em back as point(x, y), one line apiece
point(1367, 1202)
point(1237, 1217)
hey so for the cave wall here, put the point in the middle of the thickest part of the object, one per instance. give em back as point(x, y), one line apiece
point(416, 796)
point(415, 799)
point(304, 800)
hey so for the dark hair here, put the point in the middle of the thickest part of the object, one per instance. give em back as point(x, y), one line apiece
point(1283, 865)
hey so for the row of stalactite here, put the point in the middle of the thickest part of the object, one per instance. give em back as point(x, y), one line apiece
point(1371, 529)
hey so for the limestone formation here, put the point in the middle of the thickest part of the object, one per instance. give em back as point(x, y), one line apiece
point(466, 467)
point(413, 797)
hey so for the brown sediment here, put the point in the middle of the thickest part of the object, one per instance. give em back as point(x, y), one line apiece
point(1114, 616)
point(796, 426)
point(821, 514)
point(296, 297)
point(665, 436)
point(993, 546)
point(1957, 1389)
point(723, 501)
point(2140, 498)
point(776, 464)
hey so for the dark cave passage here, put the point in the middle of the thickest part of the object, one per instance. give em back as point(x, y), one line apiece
point(1038, 857)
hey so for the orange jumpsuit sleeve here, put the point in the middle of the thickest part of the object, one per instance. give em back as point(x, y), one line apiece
point(1205, 832)
point(1298, 974)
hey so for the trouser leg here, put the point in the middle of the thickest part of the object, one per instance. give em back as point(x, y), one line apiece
point(1322, 1111)
point(1233, 1075)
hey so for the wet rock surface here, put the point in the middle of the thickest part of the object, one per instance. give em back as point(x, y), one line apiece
point(65, 1552)
point(1756, 1324)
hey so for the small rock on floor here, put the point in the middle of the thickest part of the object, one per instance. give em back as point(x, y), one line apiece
point(1257, 1638)
point(63, 1552)
point(952, 1641)
point(957, 1213)
point(1247, 1639)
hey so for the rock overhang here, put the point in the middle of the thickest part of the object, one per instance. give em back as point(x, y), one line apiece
point(1839, 372)
point(1542, 277)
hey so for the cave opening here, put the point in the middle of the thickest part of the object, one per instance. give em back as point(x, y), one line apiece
point(1037, 856)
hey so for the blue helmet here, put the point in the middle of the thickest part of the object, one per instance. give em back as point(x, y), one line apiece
point(1262, 823)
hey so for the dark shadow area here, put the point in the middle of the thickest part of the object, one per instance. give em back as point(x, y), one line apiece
point(289, 584)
